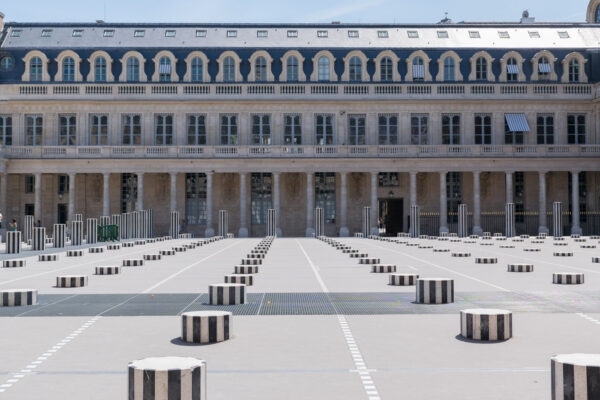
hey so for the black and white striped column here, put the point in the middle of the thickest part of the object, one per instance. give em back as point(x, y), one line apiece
point(13, 242)
point(59, 235)
point(78, 217)
point(150, 223)
point(206, 326)
point(167, 378)
point(223, 223)
point(227, 294)
point(144, 224)
point(520, 267)
point(366, 222)
point(319, 222)
point(403, 279)
point(39, 239)
point(435, 290)
point(568, 278)
point(557, 224)
point(509, 217)
point(18, 297)
point(28, 229)
point(76, 233)
point(174, 225)
point(244, 279)
point(108, 270)
point(415, 221)
point(271, 222)
point(462, 221)
point(575, 377)
point(124, 228)
point(104, 220)
point(67, 281)
point(92, 230)
point(130, 226)
point(137, 225)
point(115, 219)
point(486, 324)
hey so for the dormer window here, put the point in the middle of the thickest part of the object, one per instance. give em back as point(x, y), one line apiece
point(352, 34)
point(46, 32)
point(442, 34)
point(170, 33)
point(292, 34)
point(77, 32)
point(16, 33)
point(231, 34)
point(503, 35)
point(534, 34)
point(201, 33)
point(382, 34)
point(139, 33)
point(262, 33)
point(413, 34)
point(563, 34)
point(109, 33)
point(474, 35)
point(322, 34)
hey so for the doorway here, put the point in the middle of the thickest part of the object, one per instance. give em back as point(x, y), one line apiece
point(391, 217)
point(61, 214)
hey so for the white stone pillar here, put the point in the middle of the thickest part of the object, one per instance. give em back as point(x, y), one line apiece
point(277, 202)
point(173, 176)
point(209, 232)
point(543, 228)
point(106, 194)
point(4, 198)
point(310, 203)
point(509, 187)
point(344, 231)
point(38, 198)
point(443, 204)
point(575, 228)
point(477, 230)
point(243, 231)
point(413, 188)
point(140, 191)
point(374, 205)
point(72, 190)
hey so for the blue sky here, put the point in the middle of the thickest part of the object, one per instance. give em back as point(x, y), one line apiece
point(355, 11)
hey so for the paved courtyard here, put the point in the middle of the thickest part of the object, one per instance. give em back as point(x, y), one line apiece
point(317, 324)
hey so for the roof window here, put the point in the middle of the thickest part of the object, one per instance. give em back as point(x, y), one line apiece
point(109, 33)
point(353, 34)
point(46, 32)
point(322, 34)
point(231, 33)
point(77, 32)
point(413, 34)
point(170, 33)
point(442, 34)
point(262, 33)
point(200, 32)
point(292, 34)
point(563, 34)
point(534, 34)
point(383, 34)
point(503, 35)
point(474, 35)
point(16, 33)
point(139, 33)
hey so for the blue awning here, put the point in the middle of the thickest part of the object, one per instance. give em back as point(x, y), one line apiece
point(517, 122)
point(165, 69)
point(544, 68)
point(418, 71)
point(512, 69)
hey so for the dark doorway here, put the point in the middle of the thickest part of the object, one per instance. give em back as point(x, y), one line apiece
point(61, 214)
point(391, 218)
point(29, 209)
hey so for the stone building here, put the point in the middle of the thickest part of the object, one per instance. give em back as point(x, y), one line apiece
point(103, 118)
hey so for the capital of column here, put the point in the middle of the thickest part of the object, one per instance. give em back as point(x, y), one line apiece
point(575, 172)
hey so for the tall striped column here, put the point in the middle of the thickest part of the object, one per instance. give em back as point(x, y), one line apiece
point(78, 217)
point(28, 228)
point(13, 242)
point(76, 233)
point(130, 227)
point(557, 224)
point(92, 230)
point(415, 221)
point(104, 220)
point(174, 225)
point(59, 235)
point(223, 223)
point(319, 222)
point(143, 224)
point(136, 223)
point(463, 230)
point(39, 239)
point(271, 222)
point(123, 226)
point(509, 219)
point(366, 221)
point(150, 222)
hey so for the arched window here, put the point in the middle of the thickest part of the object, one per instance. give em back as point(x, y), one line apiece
point(386, 66)
point(197, 70)
point(68, 69)
point(449, 70)
point(100, 69)
point(355, 69)
point(574, 75)
point(418, 69)
point(512, 70)
point(323, 65)
point(481, 66)
point(544, 68)
point(164, 69)
point(292, 69)
point(35, 69)
point(229, 69)
point(133, 69)
point(260, 70)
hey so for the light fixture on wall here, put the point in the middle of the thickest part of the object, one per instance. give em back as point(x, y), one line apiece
point(391, 193)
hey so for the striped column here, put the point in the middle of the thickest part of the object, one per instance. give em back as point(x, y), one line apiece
point(39, 239)
point(319, 222)
point(123, 226)
point(509, 219)
point(92, 230)
point(104, 220)
point(415, 221)
point(366, 221)
point(206, 326)
point(271, 222)
point(28, 229)
point(59, 235)
point(223, 223)
point(130, 226)
point(18, 297)
point(142, 224)
point(167, 378)
point(76, 233)
point(13, 242)
point(78, 217)
point(575, 376)
point(150, 223)
point(174, 225)
point(136, 224)
point(486, 324)
point(557, 224)
point(435, 291)
point(227, 294)
point(463, 230)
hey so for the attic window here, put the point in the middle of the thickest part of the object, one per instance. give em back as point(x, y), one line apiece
point(231, 33)
point(382, 34)
point(474, 35)
point(262, 33)
point(16, 33)
point(109, 33)
point(292, 34)
point(442, 34)
point(563, 34)
point(46, 32)
point(201, 33)
point(413, 34)
point(353, 34)
point(170, 33)
point(534, 34)
point(503, 35)
point(77, 32)
point(322, 34)
point(139, 33)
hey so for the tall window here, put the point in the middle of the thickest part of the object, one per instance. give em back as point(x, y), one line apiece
point(5, 130)
point(68, 69)
point(35, 69)
point(229, 130)
point(228, 69)
point(63, 184)
point(261, 129)
point(100, 69)
point(451, 129)
point(582, 197)
point(483, 129)
point(197, 70)
point(164, 69)
point(291, 66)
point(419, 131)
point(196, 130)
point(357, 130)
point(576, 130)
point(260, 69)
point(418, 69)
point(195, 199)
point(131, 133)
point(33, 130)
point(449, 69)
point(323, 69)
point(325, 195)
point(512, 70)
point(481, 67)
point(260, 197)
point(163, 129)
point(519, 196)
point(544, 68)
point(324, 130)
point(128, 192)
point(29, 185)
point(454, 193)
point(386, 69)
point(388, 129)
point(67, 133)
point(511, 137)
point(292, 130)
point(133, 69)
point(356, 68)
point(98, 130)
point(574, 75)
point(545, 129)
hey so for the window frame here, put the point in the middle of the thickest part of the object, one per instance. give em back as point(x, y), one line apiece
point(483, 129)
point(163, 130)
point(196, 129)
point(325, 130)
point(576, 130)
point(292, 129)
point(228, 131)
point(6, 130)
point(261, 134)
point(67, 130)
point(357, 130)
point(420, 130)
point(131, 129)
point(139, 33)
point(450, 136)
point(387, 130)
point(34, 132)
point(99, 130)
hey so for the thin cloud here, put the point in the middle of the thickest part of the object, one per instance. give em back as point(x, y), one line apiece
point(331, 13)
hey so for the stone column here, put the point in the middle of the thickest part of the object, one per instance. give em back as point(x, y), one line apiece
point(106, 194)
point(543, 228)
point(243, 231)
point(4, 199)
point(276, 201)
point(443, 204)
point(173, 176)
point(575, 228)
point(140, 191)
point(344, 231)
point(209, 232)
point(310, 203)
point(38, 198)
point(509, 187)
point(477, 230)
point(72, 190)
point(413, 188)
point(374, 205)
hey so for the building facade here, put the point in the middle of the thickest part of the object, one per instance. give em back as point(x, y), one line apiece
point(107, 118)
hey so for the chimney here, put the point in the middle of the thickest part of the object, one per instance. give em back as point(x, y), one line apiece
point(526, 19)
point(1, 22)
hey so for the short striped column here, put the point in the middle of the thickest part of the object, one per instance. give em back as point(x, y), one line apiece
point(509, 220)
point(67, 281)
point(92, 230)
point(167, 378)
point(403, 279)
point(108, 270)
point(319, 222)
point(76, 233)
point(557, 224)
point(366, 221)
point(223, 222)
point(568, 278)
point(520, 267)
point(18, 297)
point(227, 294)
point(271, 222)
point(244, 279)
point(435, 291)
point(59, 235)
point(14, 263)
point(383, 269)
point(486, 260)
point(206, 327)
point(415, 221)
point(39, 239)
point(133, 263)
point(462, 221)
point(74, 253)
point(174, 225)
point(13, 242)
point(28, 228)
point(115, 219)
point(486, 324)
point(246, 269)
point(575, 377)
point(47, 257)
